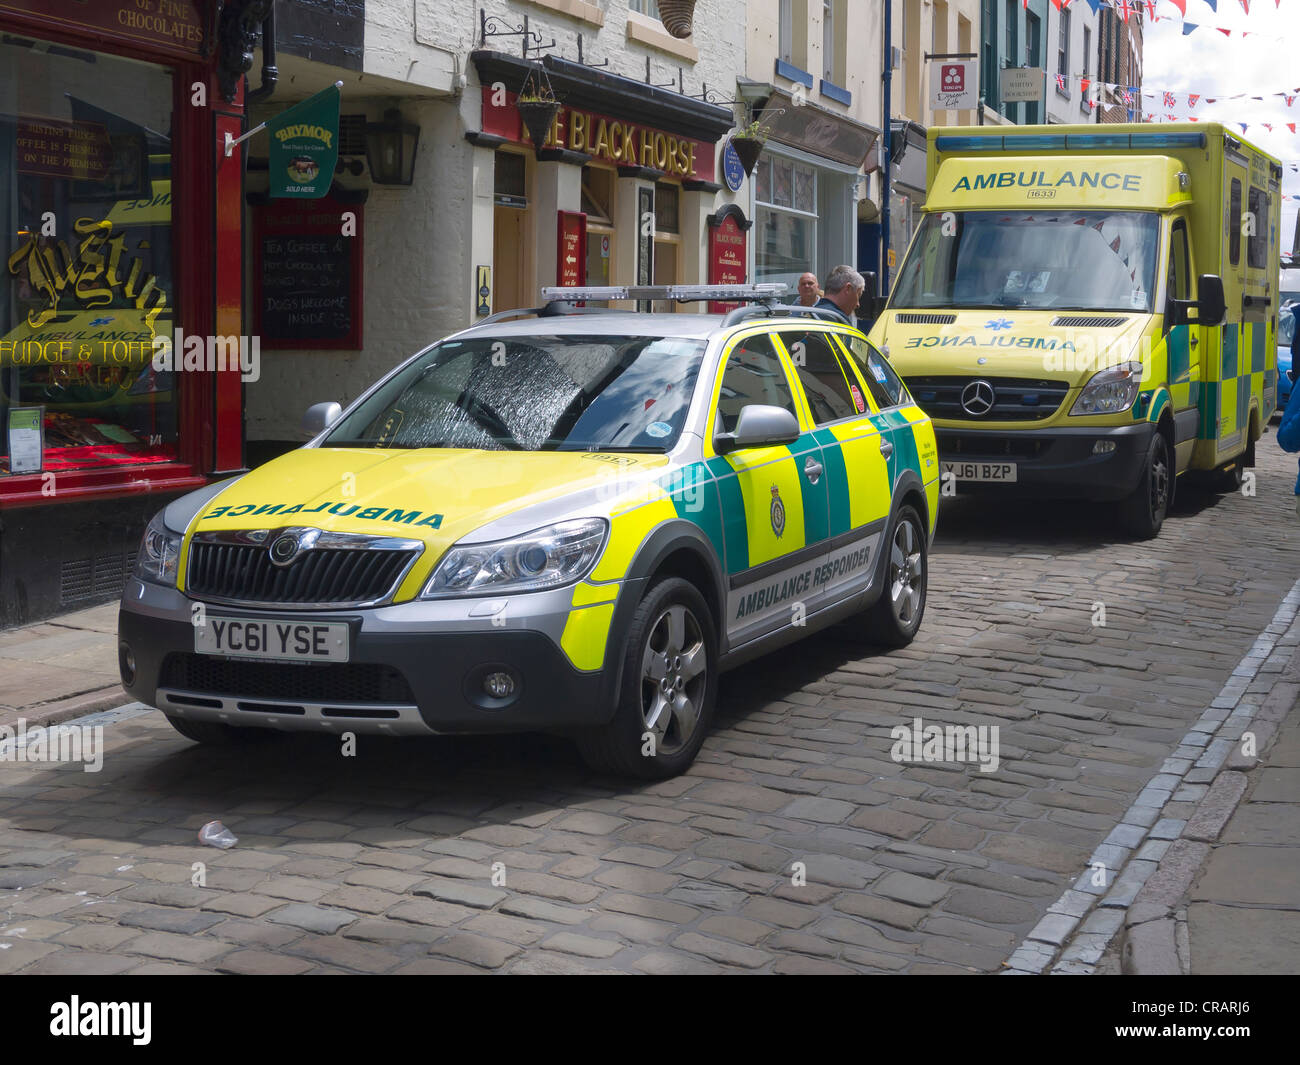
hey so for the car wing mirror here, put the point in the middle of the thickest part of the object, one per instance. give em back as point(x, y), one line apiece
point(759, 425)
point(319, 417)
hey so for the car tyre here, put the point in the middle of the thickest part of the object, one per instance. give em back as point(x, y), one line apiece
point(667, 691)
point(215, 734)
point(1144, 511)
point(896, 616)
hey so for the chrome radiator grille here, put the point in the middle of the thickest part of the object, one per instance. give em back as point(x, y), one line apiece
point(319, 570)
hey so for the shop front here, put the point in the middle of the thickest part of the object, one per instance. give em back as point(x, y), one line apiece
point(806, 189)
point(120, 224)
point(622, 190)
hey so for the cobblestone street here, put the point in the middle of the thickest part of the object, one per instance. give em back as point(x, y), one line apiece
point(795, 843)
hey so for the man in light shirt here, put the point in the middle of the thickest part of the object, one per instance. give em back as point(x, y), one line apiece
point(809, 292)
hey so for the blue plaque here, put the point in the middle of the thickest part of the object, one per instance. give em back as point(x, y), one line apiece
point(733, 170)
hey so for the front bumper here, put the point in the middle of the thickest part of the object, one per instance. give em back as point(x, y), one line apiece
point(413, 668)
point(1053, 463)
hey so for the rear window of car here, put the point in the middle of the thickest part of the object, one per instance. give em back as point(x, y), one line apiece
point(533, 393)
point(887, 388)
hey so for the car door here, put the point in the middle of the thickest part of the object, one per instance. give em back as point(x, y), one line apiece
point(773, 498)
point(854, 447)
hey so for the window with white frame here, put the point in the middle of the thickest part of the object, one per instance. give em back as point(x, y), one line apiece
point(785, 195)
point(785, 31)
point(645, 7)
point(1063, 44)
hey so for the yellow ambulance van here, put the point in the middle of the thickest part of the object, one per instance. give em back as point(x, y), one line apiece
point(1090, 312)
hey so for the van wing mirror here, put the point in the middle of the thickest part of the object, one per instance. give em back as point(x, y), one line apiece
point(759, 426)
point(319, 417)
point(1211, 307)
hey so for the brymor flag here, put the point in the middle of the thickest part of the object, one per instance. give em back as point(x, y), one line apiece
point(305, 146)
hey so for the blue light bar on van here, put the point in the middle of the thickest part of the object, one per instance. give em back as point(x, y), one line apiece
point(1022, 142)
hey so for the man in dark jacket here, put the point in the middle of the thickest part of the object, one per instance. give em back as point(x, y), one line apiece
point(844, 287)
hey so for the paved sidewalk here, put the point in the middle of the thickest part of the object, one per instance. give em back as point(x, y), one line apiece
point(1224, 897)
point(1244, 911)
point(60, 668)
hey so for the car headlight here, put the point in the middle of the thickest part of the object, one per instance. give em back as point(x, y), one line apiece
point(544, 558)
point(1111, 391)
point(160, 552)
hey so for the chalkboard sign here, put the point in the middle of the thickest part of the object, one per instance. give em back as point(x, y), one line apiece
point(308, 274)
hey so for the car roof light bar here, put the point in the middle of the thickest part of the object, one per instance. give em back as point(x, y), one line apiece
point(678, 293)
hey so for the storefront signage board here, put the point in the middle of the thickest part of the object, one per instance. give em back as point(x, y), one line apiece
point(309, 276)
point(727, 258)
point(177, 27)
point(571, 249)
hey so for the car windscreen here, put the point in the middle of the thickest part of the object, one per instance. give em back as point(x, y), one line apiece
point(1285, 327)
point(1051, 260)
point(533, 393)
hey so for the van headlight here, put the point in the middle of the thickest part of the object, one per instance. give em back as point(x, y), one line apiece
point(544, 558)
point(160, 553)
point(1111, 391)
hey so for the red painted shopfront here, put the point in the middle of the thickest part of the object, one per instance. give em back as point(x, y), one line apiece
point(121, 224)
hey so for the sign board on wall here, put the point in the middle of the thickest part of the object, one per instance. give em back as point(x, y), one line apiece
point(728, 252)
point(309, 276)
point(645, 244)
point(571, 249)
point(174, 26)
point(1022, 83)
point(953, 85)
point(608, 139)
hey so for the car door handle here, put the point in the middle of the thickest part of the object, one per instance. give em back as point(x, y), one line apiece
point(1195, 341)
point(813, 469)
point(886, 448)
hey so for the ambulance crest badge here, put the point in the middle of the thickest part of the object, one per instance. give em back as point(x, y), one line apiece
point(778, 512)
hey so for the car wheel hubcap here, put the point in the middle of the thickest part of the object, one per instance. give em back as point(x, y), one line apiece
point(674, 678)
point(906, 573)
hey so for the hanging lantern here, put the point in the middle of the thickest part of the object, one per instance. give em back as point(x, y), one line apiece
point(676, 16)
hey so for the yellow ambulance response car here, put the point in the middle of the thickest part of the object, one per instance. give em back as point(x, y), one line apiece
point(1090, 312)
point(567, 522)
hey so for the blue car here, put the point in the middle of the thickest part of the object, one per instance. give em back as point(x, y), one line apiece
point(1285, 334)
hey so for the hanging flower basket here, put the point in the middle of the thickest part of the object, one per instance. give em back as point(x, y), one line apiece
point(748, 149)
point(537, 106)
point(676, 16)
point(537, 115)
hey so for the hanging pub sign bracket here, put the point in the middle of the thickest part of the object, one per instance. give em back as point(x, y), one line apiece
point(491, 26)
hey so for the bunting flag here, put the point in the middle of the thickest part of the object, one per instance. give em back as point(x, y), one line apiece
point(1169, 99)
point(1245, 6)
point(1191, 99)
point(1214, 5)
point(1095, 5)
point(1243, 126)
point(1188, 27)
point(1291, 127)
point(1123, 7)
point(1289, 99)
point(1181, 5)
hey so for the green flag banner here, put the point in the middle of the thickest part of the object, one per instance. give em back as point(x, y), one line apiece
point(305, 146)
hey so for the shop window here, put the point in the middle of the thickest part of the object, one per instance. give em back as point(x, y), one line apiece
point(598, 195)
point(666, 209)
point(86, 218)
point(786, 215)
point(508, 180)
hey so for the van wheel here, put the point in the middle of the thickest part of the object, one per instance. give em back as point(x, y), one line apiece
point(215, 734)
point(895, 618)
point(670, 680)
point(1144, 511)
